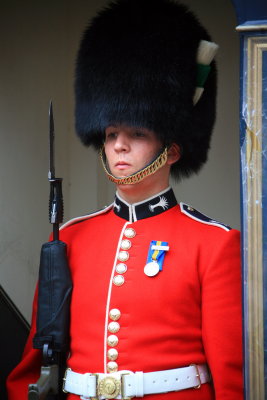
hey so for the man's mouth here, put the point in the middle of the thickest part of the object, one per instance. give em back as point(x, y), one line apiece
point(122, 165)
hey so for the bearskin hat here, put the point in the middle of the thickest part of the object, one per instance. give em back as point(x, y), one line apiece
point(137, 65)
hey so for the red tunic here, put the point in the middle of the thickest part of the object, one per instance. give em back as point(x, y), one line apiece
point(189, 313)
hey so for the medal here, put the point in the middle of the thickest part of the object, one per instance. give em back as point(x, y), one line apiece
point(155, 257)
point(152, 268)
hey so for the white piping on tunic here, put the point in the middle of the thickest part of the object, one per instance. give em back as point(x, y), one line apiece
point(109, 296)
point(134, 214)
point(84, 217)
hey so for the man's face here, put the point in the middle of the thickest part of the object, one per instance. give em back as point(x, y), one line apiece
point(129, 149)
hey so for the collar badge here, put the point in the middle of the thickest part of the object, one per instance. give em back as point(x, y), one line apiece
point(163, 202)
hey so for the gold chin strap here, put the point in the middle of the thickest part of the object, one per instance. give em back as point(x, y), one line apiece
point(150, 169)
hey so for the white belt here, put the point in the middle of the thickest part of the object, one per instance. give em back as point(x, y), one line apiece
point(127, 384)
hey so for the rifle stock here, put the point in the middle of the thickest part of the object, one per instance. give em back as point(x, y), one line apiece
point(46, 384)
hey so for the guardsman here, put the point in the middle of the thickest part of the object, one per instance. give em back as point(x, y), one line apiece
point(156, 304)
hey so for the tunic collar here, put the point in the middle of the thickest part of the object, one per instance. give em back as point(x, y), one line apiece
point(150, 207)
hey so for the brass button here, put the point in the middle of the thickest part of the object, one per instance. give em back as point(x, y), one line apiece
point(113, 327)
point(118, 280)
point(114, 314)
point(112, 340)
point(121, 268)
point(112, 366)
point(126, 244)
point(129, 233)
point(112, 354)
point(123, 256)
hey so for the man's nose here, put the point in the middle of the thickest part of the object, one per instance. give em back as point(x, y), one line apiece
point(122, 143)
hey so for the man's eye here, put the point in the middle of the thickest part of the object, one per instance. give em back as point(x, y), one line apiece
point(111, 135)
point(139, 134)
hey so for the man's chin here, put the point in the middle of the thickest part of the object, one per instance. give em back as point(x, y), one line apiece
point(122, 174)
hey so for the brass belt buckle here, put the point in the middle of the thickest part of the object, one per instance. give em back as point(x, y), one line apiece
point(108, 387)
point(197, 375)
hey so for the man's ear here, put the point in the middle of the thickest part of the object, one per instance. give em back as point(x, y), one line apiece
point(174, 154)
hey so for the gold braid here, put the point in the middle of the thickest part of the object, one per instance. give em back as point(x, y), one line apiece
point(139, 175)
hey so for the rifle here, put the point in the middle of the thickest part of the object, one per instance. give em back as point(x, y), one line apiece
point(55, 287)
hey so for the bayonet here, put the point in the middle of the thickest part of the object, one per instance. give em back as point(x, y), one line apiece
point(51, 173)
point(56, 198)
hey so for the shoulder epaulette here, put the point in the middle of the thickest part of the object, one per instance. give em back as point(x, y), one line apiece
point(198, 216)
point(76, 220)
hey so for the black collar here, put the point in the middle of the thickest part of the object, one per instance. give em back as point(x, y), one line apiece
point(155, 205)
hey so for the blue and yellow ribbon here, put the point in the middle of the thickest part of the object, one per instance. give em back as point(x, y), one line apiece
point(157, 251)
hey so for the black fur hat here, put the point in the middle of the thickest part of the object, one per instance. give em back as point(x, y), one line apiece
point(137, 65)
